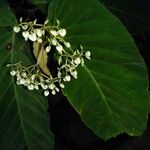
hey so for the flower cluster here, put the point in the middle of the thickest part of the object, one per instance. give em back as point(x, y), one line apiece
point(52, 38)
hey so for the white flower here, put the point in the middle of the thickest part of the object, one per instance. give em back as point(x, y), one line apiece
point(13, 73)
point(59, 60)
point(51, 86)
point(53, 92)
point(39, 40)
point(59, 74)
point(43, 32)
point(67, 44)
point(22, 81)
point(44, 87)
point(62, 32)
point(77, 61)
point(59, 48)
point(57, 89)
point(31, 87)
point(16, 29)
point(61, 85)
point(88, 54)
point(46, 22)
point(54, 42)
point(36, 87)
point(74, 74)
point(54, 33)
point(25, 34)
point(39, 32)
point(32, 37)
point(67, 78)
point(25, 27)
point(48, 48)
point(46, 93)
point(24, 74)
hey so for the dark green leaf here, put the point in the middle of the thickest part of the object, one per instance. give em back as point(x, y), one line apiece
point(24, 121)
point(111, 92)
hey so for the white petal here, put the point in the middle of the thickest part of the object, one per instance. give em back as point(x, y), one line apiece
point(54, 42)
point(39, 40)
point(32, 37)
point(59, 48)
point(54, 92)
point(13, 73)
point(25, 34)
point(74, 74)
point(62, 32)
point(52, 86)
point(46, 93)
point(67, 44)
point(88, 54)
point(31, 87)
point(39, 32)
point(77, 61)
point(48, 48)
point(16, 29)
point(53, 32)
point(25, 27)
point(67, 78)
point(61, 85)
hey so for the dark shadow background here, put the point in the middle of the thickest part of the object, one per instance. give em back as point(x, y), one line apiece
point(69, 131)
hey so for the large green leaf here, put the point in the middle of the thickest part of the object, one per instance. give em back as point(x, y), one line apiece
point(111, 92)
point(24, 121)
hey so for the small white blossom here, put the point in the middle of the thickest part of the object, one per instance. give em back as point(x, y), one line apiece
point(31, 87)
point(62, 32)
point(88, 54)
point(54, 33)
point(54, 92)
point(22, 81)
point(57, 89)
point(74, 74)
point(67, 44)
point(46, 22)
point(52, 86)
point(54, 42)
point(67, 78)
point(36, 87)
point(39, 32)
point(16, 29)
point(59, 48)
point(46, 93)
point(48, 48)
point(24, 74)
point(77, 61)
point(62, 85)
point(25, 27)
point(59, 60)
point(32, 37)
point(25, 34)
point(39, 40)
point(13, 73)
point(44, 87)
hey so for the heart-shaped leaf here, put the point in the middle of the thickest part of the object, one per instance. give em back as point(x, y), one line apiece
point(111, 92)
point(24, 121)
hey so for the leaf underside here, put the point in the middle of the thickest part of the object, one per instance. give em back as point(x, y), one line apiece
point(110, 93)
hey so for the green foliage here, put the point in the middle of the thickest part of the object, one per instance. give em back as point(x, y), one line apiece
point(111, 92)
point(24, 122)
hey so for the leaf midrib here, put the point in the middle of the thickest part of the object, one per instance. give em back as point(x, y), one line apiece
point(101, 94)
point(15, 92)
